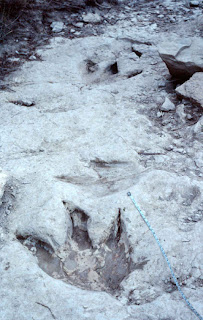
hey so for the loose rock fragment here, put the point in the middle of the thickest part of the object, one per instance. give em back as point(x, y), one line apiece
point(198, 132)
point(194, 3)
point(57, 26)
point(183, 57)
point(92, 18)
point(167, 105)
point(79, 24)
point(192, 89)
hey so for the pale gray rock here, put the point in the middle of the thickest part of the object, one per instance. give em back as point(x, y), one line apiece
point(129, 65)
point(160, 195)
point(57, 26)
point(199, 23)
point(172, 19)
point(91, 17)
point(3, 180)
point(180, 112)
point(183, 57)
point(197, 130)
point(79, 24)
point(41, 212)
point(157, 185)
point(192, 89)
point(180, 188)
point(140, 49)
point(88, 140)
point(167, 105)
point(194, 3)
point(159, 114)
point(48, 223)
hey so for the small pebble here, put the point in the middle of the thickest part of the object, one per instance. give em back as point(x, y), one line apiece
point(57, 26)
point(159, 114)
point(79, 24)
point(172, 19)
point(189, 117)
point(167, 105)
point(33, 249)
point(169, 148)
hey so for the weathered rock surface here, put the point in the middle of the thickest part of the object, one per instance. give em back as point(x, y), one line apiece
point(167, 105)
point(194, 3)
point(198, 128)
point(92, 17)
point(73, 245)
point(192, 89)
point(183, 57)
point(57, 26)
point(3, 180)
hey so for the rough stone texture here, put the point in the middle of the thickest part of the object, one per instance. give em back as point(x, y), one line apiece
point(200, 23)
point(198, 128)
point(3, 180)
point(183, 57)
point(79, 130)
point(191, 89)
point(92, 18)
point(167, 105)
point(194, 3)
point(57, 26)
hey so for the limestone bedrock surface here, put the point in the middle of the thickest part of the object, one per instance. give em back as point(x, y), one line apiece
point(3, 180)
point(90, 136)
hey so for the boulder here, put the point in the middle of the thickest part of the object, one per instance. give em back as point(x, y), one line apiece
point(183, 57)
point(192, 89)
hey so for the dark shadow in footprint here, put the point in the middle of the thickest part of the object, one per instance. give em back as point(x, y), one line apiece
point(47, 259)
point(113, 68)
point(80, 234)
point(79, 263)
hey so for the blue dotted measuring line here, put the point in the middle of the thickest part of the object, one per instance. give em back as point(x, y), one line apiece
point(165, 257)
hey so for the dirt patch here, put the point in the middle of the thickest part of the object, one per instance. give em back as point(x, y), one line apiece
point(26, 25)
